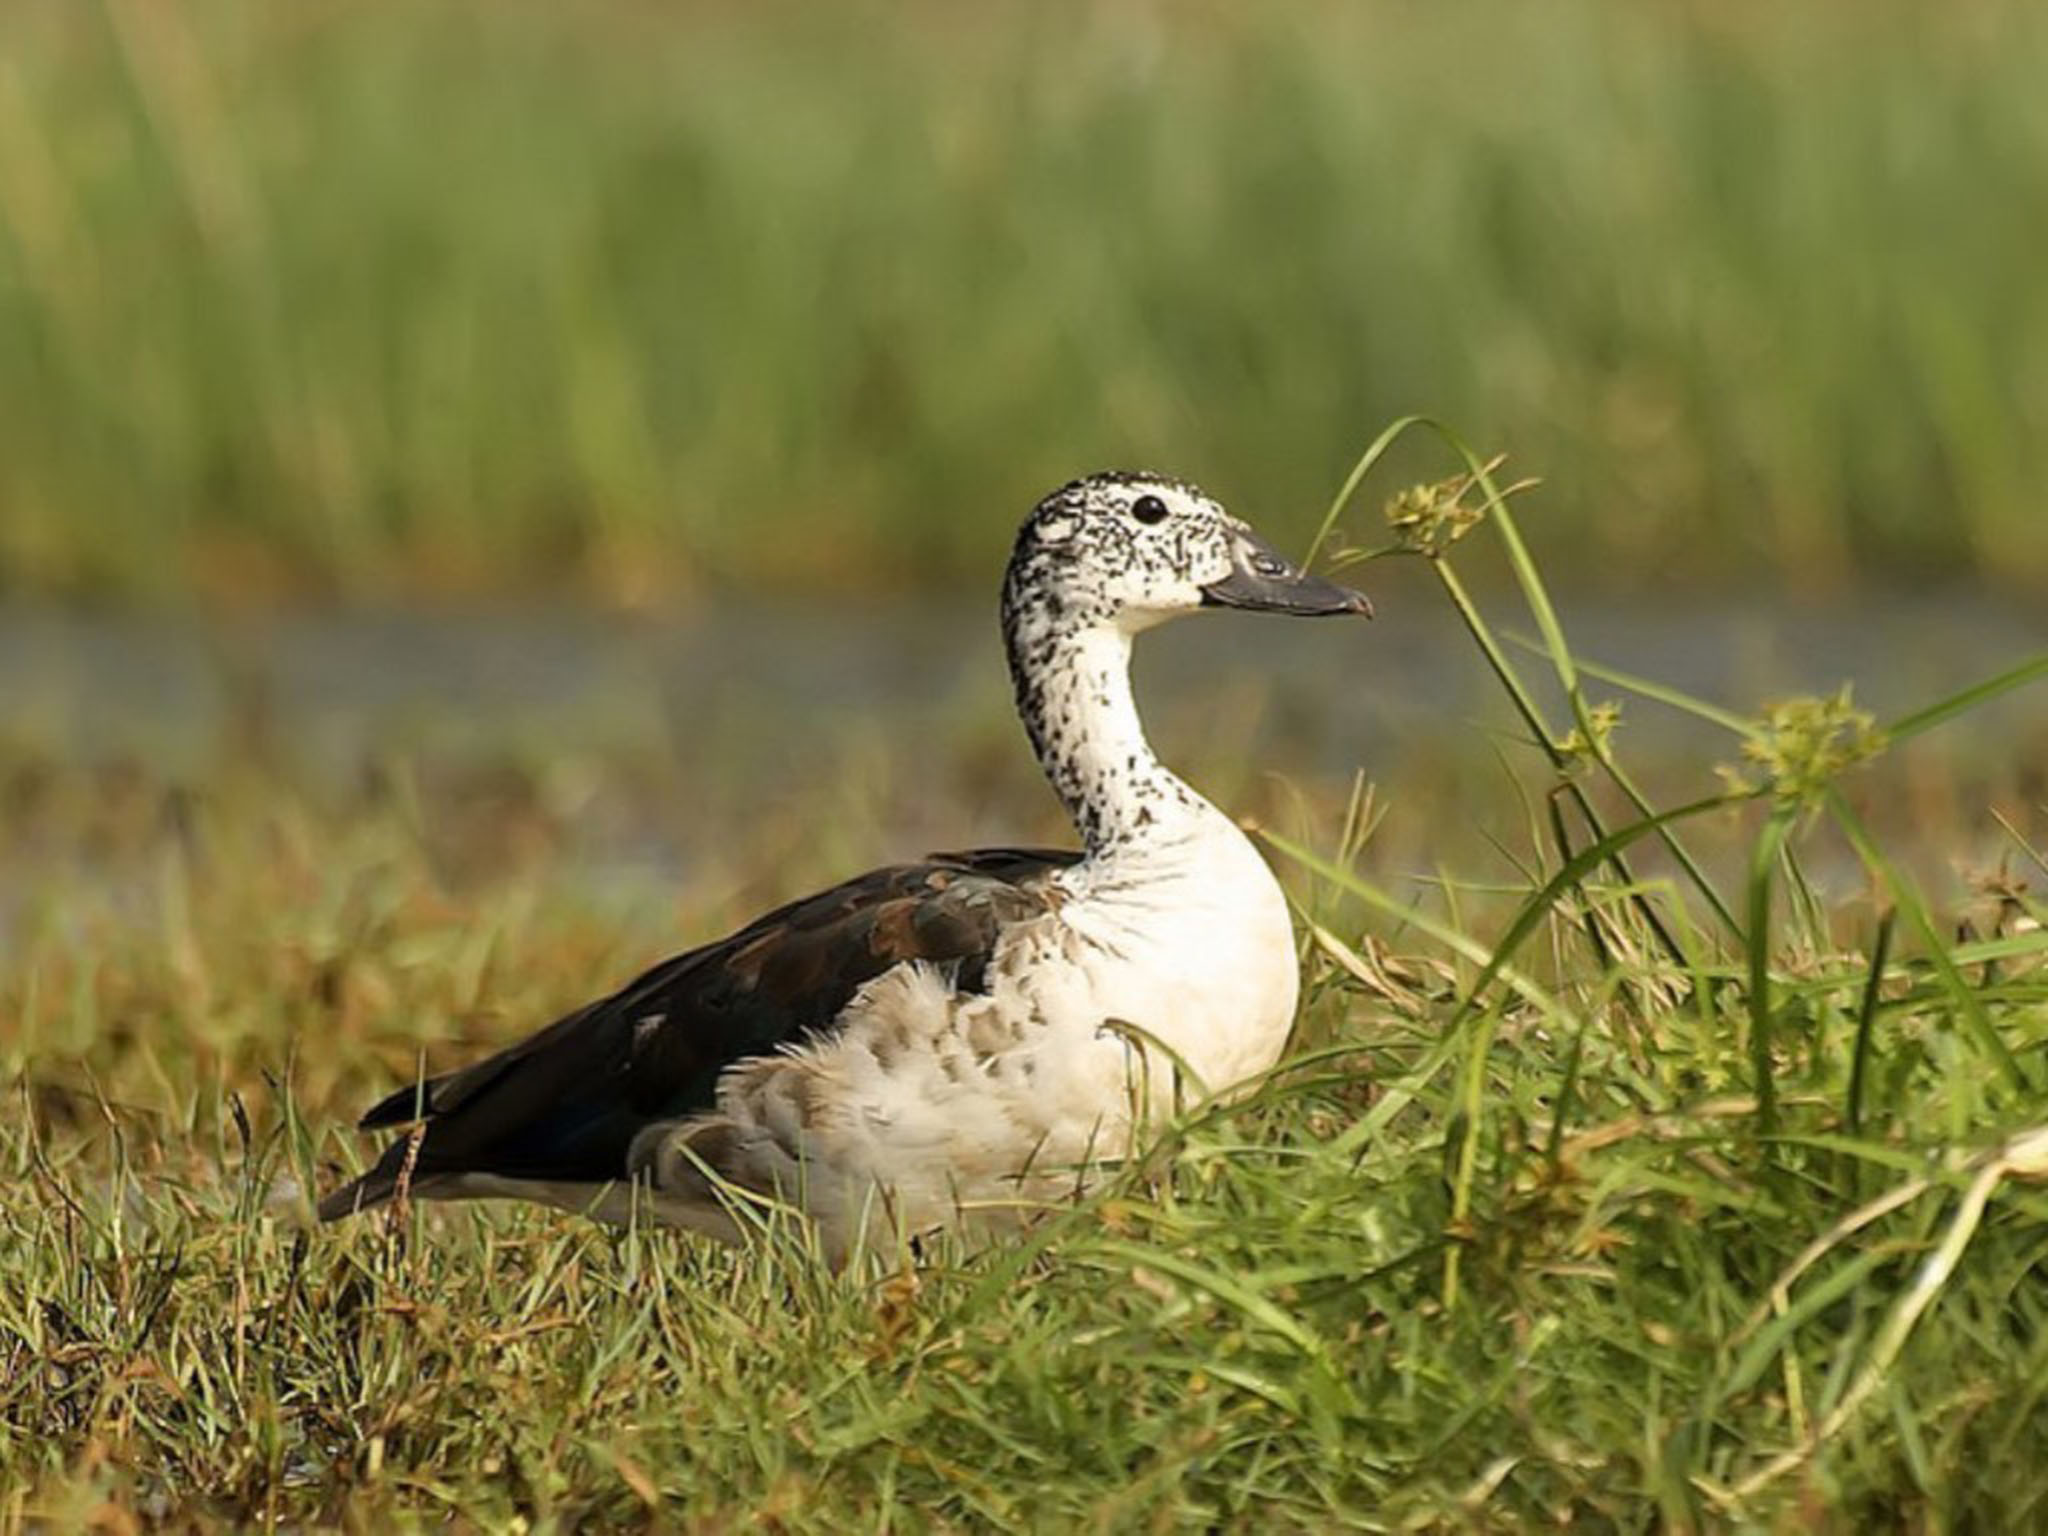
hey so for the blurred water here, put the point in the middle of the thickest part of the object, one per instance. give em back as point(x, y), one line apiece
point(333, 690)
point(756, 711)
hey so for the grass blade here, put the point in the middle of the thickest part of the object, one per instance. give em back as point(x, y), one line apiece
point(1955, 704)
point(1907, 898)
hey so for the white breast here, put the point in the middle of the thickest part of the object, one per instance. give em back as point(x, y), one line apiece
point(1193, 946)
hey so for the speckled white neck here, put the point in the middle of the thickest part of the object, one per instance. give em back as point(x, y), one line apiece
point(1073, 683)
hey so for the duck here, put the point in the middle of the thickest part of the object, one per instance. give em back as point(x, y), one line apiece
point(958, 1040)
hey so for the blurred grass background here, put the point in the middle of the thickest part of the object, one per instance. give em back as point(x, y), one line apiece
point(369, 301)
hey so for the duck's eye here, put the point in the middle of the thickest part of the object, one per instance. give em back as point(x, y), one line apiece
point(1149, 509)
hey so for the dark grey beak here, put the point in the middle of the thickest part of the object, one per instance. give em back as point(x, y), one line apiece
point(1266, 581)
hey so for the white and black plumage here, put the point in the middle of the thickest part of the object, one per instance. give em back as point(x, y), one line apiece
point(943, 1038)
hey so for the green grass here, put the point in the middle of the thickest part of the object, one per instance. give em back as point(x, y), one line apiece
point(477, 297)
point(1594, 1193)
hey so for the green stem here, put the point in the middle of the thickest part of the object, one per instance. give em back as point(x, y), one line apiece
point(1560, 760)
point(1763, 862)
point(1866, 1020)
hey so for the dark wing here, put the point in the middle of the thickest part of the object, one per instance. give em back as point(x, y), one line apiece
point(564, 1105)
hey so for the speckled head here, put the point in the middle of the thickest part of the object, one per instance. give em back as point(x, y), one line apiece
point(1132, 550)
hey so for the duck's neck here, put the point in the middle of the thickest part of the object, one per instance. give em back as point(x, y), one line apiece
point(1073, 687)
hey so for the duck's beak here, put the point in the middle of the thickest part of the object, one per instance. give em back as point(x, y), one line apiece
point(1266, 581)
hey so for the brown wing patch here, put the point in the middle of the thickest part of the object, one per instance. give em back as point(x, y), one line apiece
point(896, 930)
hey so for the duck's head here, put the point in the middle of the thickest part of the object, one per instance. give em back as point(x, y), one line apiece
point(1133, 550)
